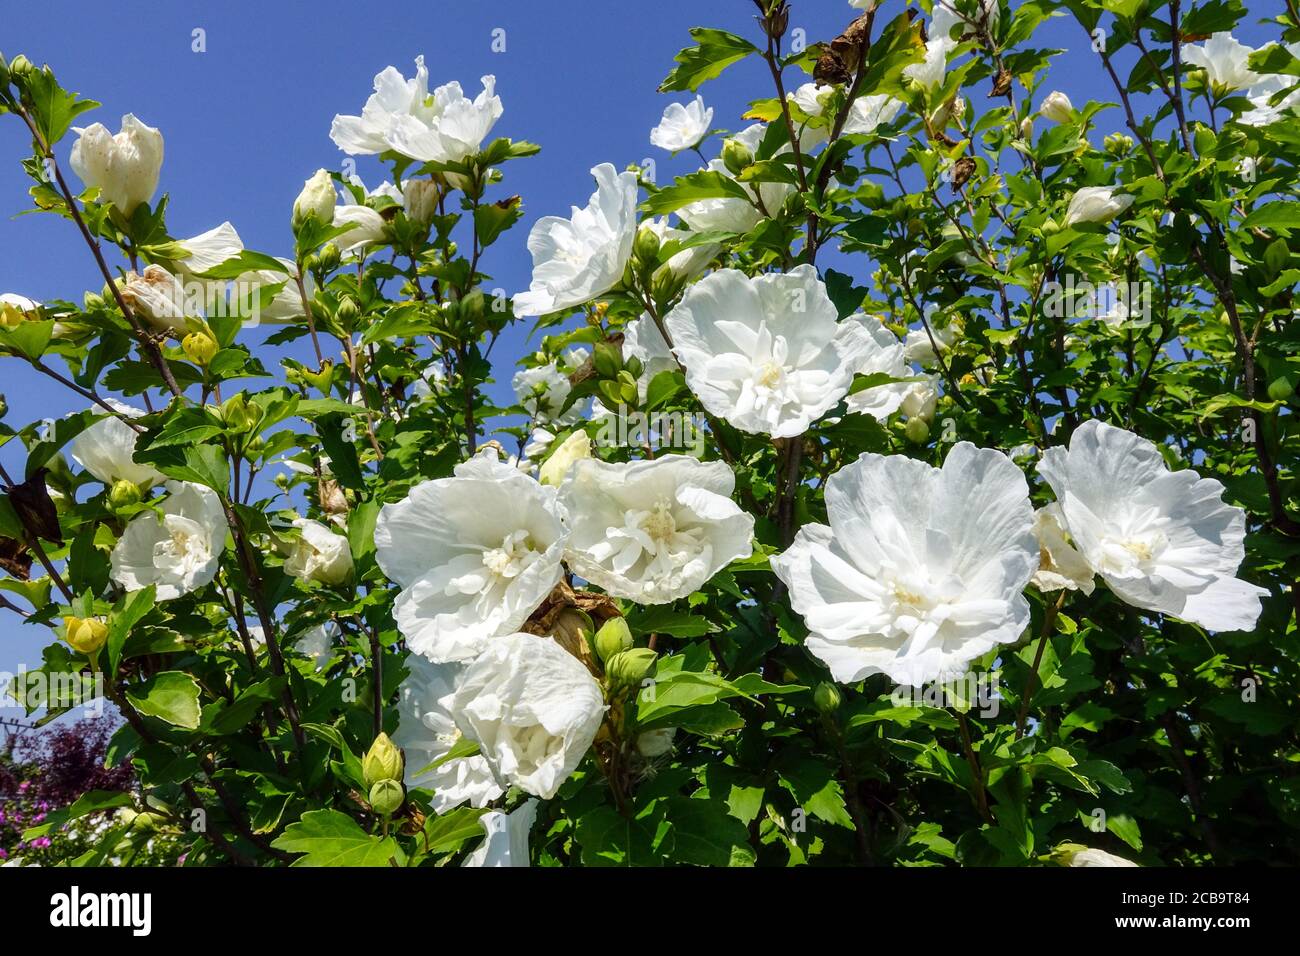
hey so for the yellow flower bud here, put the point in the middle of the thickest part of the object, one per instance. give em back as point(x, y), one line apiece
point(382, 762)
point(200, 347)
point(86, 635)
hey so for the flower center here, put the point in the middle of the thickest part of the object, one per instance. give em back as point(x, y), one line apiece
point(769, 375)
point(659, 523)
point(514, 555)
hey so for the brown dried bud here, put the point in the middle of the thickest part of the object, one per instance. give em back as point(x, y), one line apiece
point(31, 500)
point(961, 172)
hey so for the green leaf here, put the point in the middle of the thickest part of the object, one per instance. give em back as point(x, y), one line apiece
point(1281, 217)
point(126, 614)
point(492, 219)
point(662, 619)
point(29, 338)
point(691, 188)
point(705, 834)
point(52, 107)
point(331, 838)
point(607, 838)
point(715, 50)
point(447, 831)
point(171, 696)
point(815, 787)
point(88, 802)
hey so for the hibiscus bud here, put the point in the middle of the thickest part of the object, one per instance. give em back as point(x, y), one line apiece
point(577, 446)
point(1279, 390)
point(86, 635)
point(826, 698)
point(607, 360)
point(614, 637)
point(646, 248)
point(200, 347)
point(736, 156)
point(628, 668)
point(316, 199)
point(917, 431)
point(10, 316)
point(1096, 204)
point(327, 260)
point(124, 494)
point(655, 743)
point(1057, 107)
point(382, 762)
point(239, 414)
point(1027, 128)
point(421, 200)
point(387, 797)
point(348, 312)
point(124, 166)
point(628, 387)
point(20, 66)
point(1118, 144)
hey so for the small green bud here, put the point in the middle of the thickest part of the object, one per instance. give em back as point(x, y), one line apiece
point(1279, 390)
point(328, 258)
point(124, 494)
point(614, 637)
point(1118, 144)
point(239, 414)
point(607, 360)
point(387, 797)
point(646, 248)
point(382, 762)
point(628, 668)
point(473, 306)
point(917, 431)
point(826, 697)
point(736, 156)
point(348, 312)
point(20, 66)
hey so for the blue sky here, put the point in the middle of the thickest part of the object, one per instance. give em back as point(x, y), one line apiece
point(248, 120)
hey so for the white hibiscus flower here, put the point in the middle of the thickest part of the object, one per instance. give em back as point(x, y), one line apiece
point(401, 115)
point(426, 732)
point(653, 531)
point(475, 554)
point(1161, 540)
point(1224, 61)
point(735, 214)
point(506, 840)
point(106, 449)
point(579, 258)
point(682, 127)
point(921, 569)
point(766, 354)
point(178, 550)
point(883, 356)
point(533, 708)
point(319, 554)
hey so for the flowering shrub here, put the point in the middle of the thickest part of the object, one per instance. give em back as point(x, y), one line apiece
point(912, 484)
